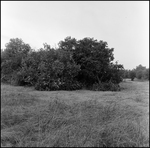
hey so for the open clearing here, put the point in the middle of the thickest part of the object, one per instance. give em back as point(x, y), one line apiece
point(27, 117)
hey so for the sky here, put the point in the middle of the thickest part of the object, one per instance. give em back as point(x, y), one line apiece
point(124, 25)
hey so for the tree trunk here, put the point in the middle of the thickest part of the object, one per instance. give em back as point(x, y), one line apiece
point(98, 79)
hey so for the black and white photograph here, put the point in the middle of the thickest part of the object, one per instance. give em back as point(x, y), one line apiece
point(74, 73)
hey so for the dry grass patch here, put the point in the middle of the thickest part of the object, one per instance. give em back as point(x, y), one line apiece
point(87, 123)
point(27, 121)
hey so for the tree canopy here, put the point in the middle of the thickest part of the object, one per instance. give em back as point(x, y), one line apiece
point(74, 64)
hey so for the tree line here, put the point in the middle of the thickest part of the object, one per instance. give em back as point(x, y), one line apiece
point(140, 72)
point(74, 64)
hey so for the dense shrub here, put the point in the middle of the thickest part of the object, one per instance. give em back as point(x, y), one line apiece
point(57, 85)
point(73, 65)
point(17, 79)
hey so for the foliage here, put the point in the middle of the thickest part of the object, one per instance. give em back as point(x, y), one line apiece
point(95, 58)
point(132, 74)
point(12, 56)
point(126, 73)
point(146, 74)
point(74, 64)
point(141, 72)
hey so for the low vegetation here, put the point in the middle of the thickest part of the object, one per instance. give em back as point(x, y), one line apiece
point(27, 121)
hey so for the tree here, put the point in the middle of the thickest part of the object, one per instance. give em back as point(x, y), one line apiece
point(95, 60)
point(75, 63)
point(146, 74)
point(12, 56)
point(132, 74)
point(126, 74)
point(140, 71)
point(15, 51)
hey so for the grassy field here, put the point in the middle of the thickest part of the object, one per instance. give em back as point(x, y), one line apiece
point(80, 118)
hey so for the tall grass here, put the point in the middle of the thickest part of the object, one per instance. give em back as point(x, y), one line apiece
point(57, 123)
